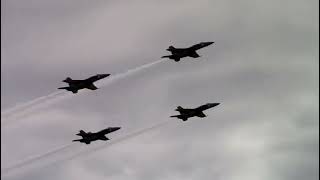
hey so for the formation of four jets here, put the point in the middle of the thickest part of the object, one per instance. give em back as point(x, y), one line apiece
point(176, 55)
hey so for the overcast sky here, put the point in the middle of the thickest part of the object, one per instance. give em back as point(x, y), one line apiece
point(263, 69)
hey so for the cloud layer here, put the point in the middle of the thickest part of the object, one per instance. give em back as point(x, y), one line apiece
point(262, 69)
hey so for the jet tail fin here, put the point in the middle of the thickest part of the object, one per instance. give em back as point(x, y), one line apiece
point(171, 48)
point(81, 133)
point(179, 108)
point(67, 80)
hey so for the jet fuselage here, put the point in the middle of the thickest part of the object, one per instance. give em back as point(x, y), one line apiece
point(75, 85)
point(196, 112)
point(89, 136)
point(178, 53)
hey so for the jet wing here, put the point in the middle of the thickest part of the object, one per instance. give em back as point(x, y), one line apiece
point(92, 87)
point(72, 89)
point(82, 141)
point(104, 138)
point(174, 57)
point(201, 114)
point(194, 54)
point(183, 117)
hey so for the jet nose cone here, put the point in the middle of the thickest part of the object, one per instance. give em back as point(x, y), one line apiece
point(116, 128)
point(207, 43)
point(213, 104)
point(103, 75)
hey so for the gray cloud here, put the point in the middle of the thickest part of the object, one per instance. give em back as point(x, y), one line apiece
point(262, 68)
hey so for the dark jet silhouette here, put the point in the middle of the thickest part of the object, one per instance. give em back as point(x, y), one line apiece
point(188, 113)
point(76, 85)
point(178, 53)
point(89, 136)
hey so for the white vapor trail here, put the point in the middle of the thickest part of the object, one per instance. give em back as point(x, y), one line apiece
point(33, 108)
point(31, 161)
point(19, 107)
point(27, 109)
point(129, 72)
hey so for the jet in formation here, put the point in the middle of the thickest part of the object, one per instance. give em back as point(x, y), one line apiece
point(178, 53)
point(196, 112)
point(76, 85)
point(89, 136)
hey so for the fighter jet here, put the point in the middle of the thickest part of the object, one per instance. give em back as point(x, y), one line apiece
point(89, 136)
point(178, 53)
point(188, 113)
point(75, 85)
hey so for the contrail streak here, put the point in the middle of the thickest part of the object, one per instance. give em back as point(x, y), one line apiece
point(31, 107)
point(129, 72)
point(19, 107)
point(30, 161)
